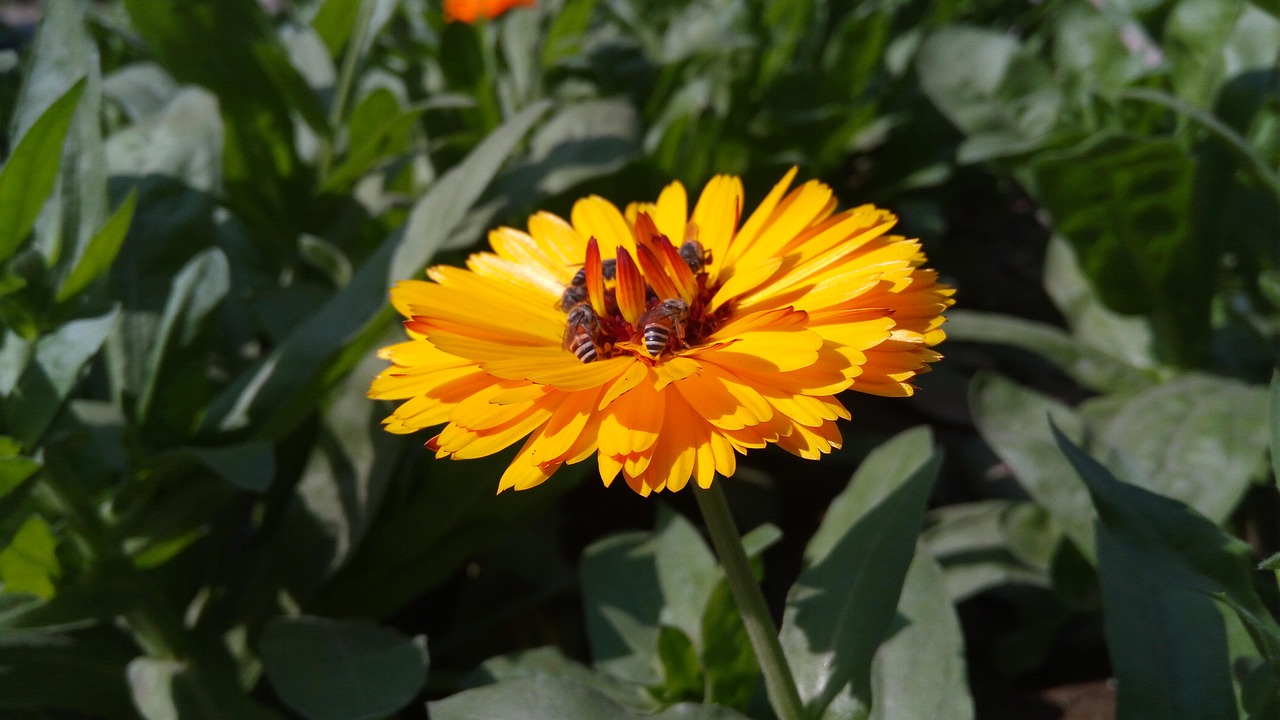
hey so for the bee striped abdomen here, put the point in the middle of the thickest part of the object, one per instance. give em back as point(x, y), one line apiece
point(656, 336)
point(583, 347)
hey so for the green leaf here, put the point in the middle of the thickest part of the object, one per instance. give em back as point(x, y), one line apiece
point(1195, 35)
point(1124, 203)
point(1271, 6)
point(1004, 99)
point(29, 564)
point(289, 382)
point(440, 211)
point(843, 603)
point(370, 146)
point(919, 672)
point(230, 48)
point(1159, 563)
point(101, 250)
point(329, 669)
point(1014, 421)
point(196, 291)
point(991, 543)
point(549, 664)
point(45, 383)
point(1088, 365)
point(681, 672)
point(623, 602)
point(1171, 437)
point(32, 169)
point(728, 660)
point(557, 699)
point(250, 466)
point(687, 573)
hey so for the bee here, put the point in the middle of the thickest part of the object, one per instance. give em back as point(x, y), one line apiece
point(694, 256)
point(576, 292)
point(659, 322)
point(581, 329)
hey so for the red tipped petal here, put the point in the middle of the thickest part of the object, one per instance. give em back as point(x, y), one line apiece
point(595, 277)
point(656, 274)
point(630, 288)
point(681, 274)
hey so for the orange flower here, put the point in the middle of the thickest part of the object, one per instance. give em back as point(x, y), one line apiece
point(468, 11)
point(663, 358)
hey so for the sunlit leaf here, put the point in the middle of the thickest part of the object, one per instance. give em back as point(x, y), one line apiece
point(843, 603)
point(557, 699)
point(329, 669)
point(29, 563)
point(100, 251)
point(919, 673)
point(31, 170)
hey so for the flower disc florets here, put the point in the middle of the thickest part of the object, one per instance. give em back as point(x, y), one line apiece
point(602, 336)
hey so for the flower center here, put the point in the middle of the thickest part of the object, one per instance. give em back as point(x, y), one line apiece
point(652, 305)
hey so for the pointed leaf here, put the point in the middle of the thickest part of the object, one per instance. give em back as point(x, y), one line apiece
point(31, 170)
point(1159, 563)
point(841, 607)
point(29, 563)
point(101, 250)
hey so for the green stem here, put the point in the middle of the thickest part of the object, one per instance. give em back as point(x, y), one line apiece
point(778, 680)
point(346, 78)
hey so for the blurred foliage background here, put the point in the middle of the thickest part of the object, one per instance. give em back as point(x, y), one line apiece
point(205, 201)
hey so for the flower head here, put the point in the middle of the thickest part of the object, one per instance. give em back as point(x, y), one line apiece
point(468, 11)
point(663, 342)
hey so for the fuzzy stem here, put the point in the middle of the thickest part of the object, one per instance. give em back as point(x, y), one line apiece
point(778, 680)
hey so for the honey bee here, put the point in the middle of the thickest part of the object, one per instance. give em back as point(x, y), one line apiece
point(576, 292)
point(694, 256)
point(581, 329)
point(659, 322)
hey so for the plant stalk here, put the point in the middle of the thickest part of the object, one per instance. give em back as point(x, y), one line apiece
point(780, 684)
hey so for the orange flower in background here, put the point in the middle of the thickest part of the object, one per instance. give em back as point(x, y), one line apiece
point(468, 11)
point(662, 342)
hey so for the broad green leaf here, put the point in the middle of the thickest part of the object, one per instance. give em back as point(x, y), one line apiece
point(843, 603)
point(373, 145)
point(29, 563)
point(328, 669)
point(100, 251)
point(14, 469)
point(687, 573)
point(1198, 438)
point(1159, 563)
point(196, 291)
point(183, 141)
point(1088, 365)
point(919, 672)
point(1123, 202)
point(1120, 337)
point(1002, 98)
point(1014, 421)
point(550, 664)
point(32, 169)
point(557, 699)
point(336, 22)
point(46, 382)
point(991, 543)
point(624, 604)
point(270, 399)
